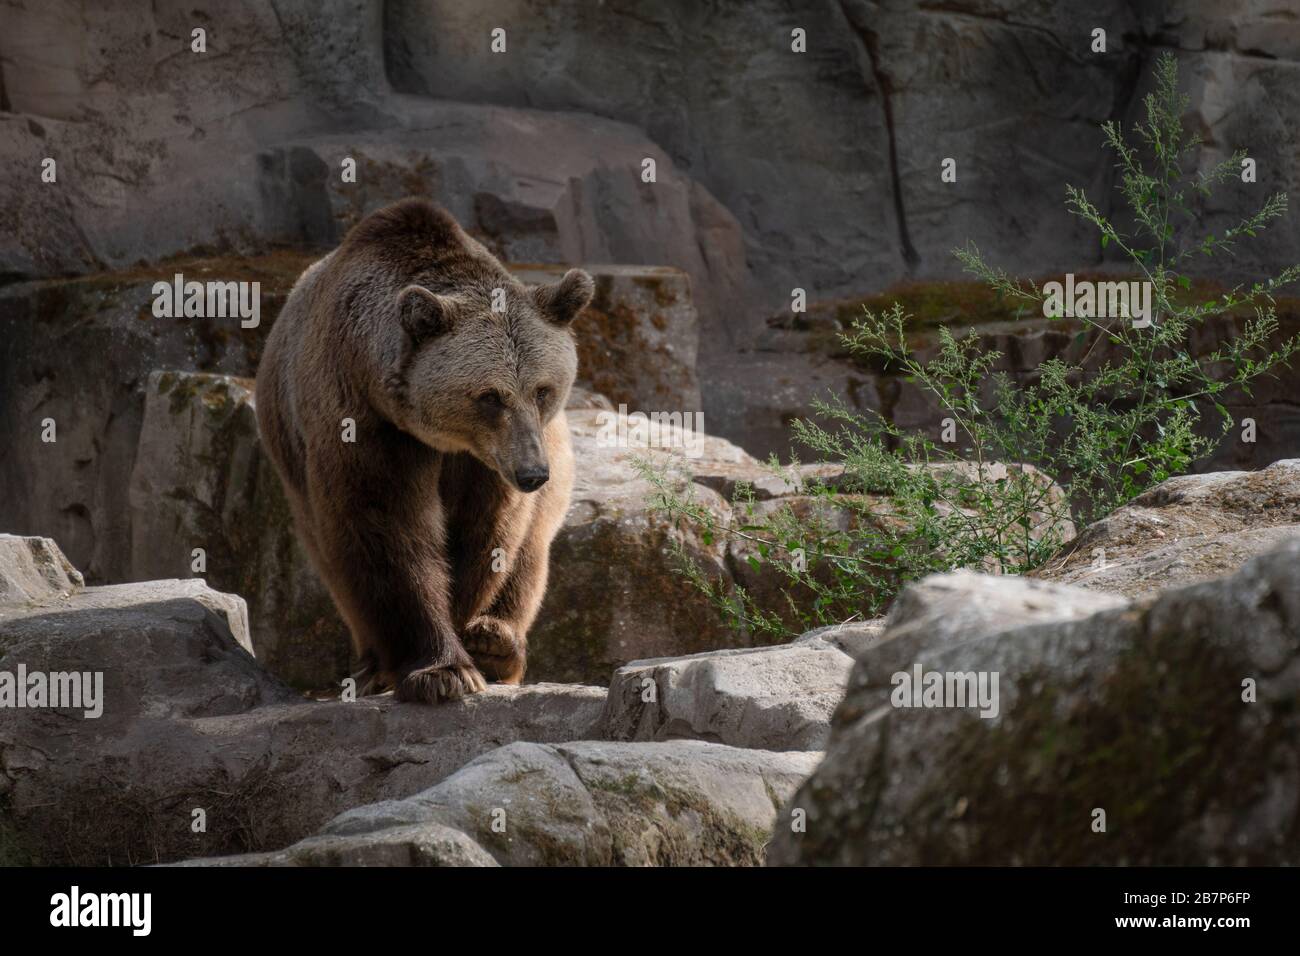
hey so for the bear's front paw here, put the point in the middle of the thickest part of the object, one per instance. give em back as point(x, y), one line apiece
point(430, 685)
point(496, 649)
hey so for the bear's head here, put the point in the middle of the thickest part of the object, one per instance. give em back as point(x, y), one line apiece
point(489, 365)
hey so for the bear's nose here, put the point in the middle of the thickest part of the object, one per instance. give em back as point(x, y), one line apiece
point(530, 479)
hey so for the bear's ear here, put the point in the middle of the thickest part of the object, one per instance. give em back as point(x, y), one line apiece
point(424, 314)
point(562, 301)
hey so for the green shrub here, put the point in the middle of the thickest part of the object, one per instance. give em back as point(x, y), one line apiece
point(1125, 414)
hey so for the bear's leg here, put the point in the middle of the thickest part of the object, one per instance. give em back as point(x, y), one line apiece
point(392, 585)
point(497, 639)
point(430, 663)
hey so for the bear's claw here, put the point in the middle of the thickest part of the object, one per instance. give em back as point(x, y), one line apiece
point(431, 685)
point(368, 678)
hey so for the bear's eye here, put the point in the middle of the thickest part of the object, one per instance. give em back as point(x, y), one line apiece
point(543, 394)
point(490, 399)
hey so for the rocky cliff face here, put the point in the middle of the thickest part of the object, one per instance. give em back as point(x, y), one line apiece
point(162, 150)
point(775, 170)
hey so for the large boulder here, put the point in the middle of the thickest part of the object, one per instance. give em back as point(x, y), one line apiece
point(615, 594)
point(770, 698)
point(945, 609)
point(1186, 529)
point(1157, 732)
point(205, 500)
point(681, 803)
point(34, 568)
point(188, 721)
point(77, 355)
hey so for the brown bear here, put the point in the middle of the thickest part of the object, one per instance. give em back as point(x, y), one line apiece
point(412, 398)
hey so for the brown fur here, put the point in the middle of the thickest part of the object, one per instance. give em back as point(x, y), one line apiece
point(394, 330)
